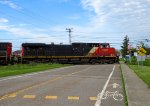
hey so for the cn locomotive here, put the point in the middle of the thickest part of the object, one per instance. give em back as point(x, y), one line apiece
point(75, 53)
point(5, 53)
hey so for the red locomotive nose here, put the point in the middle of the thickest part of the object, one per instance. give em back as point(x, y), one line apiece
point(105, 52)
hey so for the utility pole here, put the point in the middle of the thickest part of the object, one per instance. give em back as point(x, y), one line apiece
point(69, 30)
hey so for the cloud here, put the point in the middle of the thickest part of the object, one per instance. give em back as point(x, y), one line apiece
point(104, 17)
point(79, 33)
point(3, 20)
point(107, 16)
point(99, 16)
point(16, 31)
point(122, 13)
point(10, 4)
point(93, 5)
point(33, 35)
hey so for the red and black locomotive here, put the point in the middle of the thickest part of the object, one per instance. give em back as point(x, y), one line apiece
point(5, 53)
point(74, 53)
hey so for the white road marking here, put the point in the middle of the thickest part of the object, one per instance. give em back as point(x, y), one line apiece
point(35, 73)
point(100, 95)
point(115, 85)
point(116, 95)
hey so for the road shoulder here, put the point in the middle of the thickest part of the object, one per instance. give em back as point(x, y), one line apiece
point(138, 93)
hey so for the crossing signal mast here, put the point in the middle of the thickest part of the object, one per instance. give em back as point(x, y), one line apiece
point(69, 30)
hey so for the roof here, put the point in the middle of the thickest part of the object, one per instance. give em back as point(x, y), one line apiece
point(5, 43)
point(33, 44)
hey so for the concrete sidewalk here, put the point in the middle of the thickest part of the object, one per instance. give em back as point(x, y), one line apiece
point(137, 91)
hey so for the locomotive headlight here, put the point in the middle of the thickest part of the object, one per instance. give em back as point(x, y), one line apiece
point(112, 54)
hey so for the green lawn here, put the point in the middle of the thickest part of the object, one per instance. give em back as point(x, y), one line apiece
point(26, 68)
point(146, 62)
point(143, 72)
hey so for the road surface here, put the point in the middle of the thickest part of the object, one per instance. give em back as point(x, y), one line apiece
point(80, 85)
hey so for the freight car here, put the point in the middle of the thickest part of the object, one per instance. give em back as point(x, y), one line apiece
point(74, 53)
point(5, 53)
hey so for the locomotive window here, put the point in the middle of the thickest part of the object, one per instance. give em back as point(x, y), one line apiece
point(105, 46)
point(2, 46)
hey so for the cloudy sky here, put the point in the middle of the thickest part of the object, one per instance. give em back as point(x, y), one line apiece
point(92, 21)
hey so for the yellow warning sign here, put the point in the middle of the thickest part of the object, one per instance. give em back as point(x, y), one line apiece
point(142, 51)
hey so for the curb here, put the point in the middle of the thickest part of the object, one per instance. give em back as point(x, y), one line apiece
point(124, 87)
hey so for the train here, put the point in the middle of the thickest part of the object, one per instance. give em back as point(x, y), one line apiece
point(5, 52)
point(77, 52)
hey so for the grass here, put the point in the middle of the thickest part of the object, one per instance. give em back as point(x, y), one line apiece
point(143, 72)
point(121, 59)
point(134, 62)
point(124, 90)
point(26, 68)
point(146, 62)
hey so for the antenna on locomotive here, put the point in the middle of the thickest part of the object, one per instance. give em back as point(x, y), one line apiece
point(69, 30)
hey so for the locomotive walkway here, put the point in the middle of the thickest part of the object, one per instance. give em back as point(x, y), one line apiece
point(138, 93)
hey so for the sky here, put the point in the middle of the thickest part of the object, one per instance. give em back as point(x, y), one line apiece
point(100, 21)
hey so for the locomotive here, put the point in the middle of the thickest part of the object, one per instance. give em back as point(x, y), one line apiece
point(5, 53)
point(75, 53)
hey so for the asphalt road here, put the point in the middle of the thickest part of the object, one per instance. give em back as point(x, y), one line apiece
point(80, 85)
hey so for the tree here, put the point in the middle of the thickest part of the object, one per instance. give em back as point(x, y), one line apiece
point(147, 48)
point(124, 46)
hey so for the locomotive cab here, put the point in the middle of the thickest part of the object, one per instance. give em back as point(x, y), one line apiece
point(107, 53)
point(104, 45)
